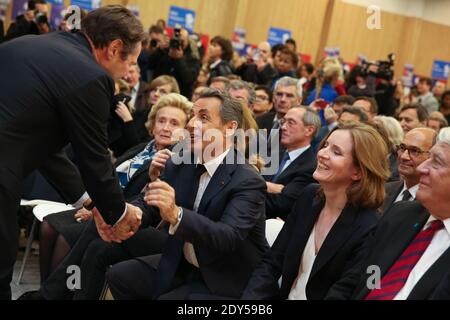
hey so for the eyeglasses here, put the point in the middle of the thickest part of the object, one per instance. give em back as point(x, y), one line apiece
point(413, 151)
point(262, 98)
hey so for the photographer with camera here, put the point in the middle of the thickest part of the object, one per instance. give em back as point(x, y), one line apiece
point(258, 68)
point(33, 21)
point(178, 58)
point(365, 81)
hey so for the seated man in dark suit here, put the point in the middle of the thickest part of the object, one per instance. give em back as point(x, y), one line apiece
point(412, 152)
point(214, 210)
point(410, 250)
point(297, 163)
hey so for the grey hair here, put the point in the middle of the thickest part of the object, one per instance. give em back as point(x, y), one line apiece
point(288, 82)
point(310, 118)
point(230, 108)
point(393, 128)
point(238, 85)
point(444, 136)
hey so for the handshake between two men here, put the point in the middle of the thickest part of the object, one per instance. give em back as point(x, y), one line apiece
point(158, 194)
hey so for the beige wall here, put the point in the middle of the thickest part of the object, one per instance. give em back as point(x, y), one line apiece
point(315, 24)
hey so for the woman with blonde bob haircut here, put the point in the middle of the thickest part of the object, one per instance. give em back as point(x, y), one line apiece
point(325, 230)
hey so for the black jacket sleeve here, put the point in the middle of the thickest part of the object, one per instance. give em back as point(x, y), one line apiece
point(64, 176)
point(85, 113)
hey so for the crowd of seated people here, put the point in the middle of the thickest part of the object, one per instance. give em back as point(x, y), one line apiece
point(356, 160)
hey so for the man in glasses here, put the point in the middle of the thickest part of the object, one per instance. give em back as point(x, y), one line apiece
point(413, 151)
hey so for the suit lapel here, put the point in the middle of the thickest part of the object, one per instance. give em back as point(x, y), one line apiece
point(338, 235)
point(393, 195)
point(432, 277)
point(302, 159)
point(399, 235)
point(183, 181)
point(304, 226)
point(219, 180)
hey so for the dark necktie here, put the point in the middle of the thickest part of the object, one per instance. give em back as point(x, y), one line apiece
point(394, 280)
point(276, 124)
point(199, 170)
point(406, 195)
point(285, 159)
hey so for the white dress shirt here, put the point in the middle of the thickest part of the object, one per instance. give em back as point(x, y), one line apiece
point(293, 155)
point(413, 191)
point(298, 290)
point(214, 64)
point(439, 244)
point(211, 168)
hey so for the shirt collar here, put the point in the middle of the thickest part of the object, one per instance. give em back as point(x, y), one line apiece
point(212, 165)
point(446, 223)
point(136, 87)
point(215, 64)
point(413, 190)
point(294, 154)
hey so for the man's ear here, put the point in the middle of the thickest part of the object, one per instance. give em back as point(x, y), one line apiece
point(231, 127)
point(310, 131)
point(114, 48)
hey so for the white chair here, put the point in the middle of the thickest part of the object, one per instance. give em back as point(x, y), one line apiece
point(273, 228)
point(41, 209)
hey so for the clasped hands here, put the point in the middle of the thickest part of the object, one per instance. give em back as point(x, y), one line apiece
point(123, 229)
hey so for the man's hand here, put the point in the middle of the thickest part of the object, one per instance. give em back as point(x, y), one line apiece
point(158, 163)
point(83, 215)
point(160, 194)
point(274, 188)
point(129, 224)
point(176, 54)
point(104, 230)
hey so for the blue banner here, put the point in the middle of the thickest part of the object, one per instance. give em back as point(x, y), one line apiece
point(86, 4)
point(277, 36)
point(181, 17)
point(441, 70)
point(19, 7)
point(56, 14)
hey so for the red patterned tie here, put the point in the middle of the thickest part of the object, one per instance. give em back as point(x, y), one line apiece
point(394, 280)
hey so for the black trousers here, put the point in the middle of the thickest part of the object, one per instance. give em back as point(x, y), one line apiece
point(94, 256)
point(134, 280)
point(100, 255)
point(9, 236)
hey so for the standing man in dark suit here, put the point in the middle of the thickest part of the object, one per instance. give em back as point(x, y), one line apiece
point(297, 163)
point(214, 208)
point(411, 246)
point(60, 94)
point(412, 152)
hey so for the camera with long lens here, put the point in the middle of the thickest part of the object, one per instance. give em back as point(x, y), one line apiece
point(385, 68)
point(153, 43)
point(175, 42)
point(41, 18)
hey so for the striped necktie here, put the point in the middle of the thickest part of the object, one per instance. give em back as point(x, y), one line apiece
point(394, 280)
